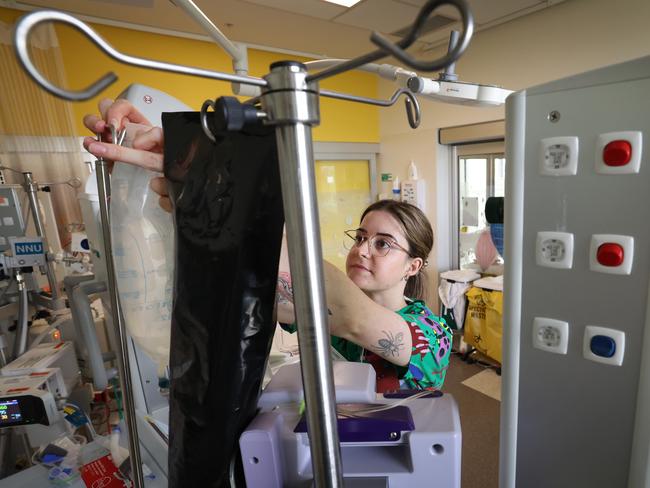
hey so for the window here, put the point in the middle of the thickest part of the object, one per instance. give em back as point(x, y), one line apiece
point(477, 151)
point(480, 176)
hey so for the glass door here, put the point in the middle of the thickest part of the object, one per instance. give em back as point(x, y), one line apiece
point(480, 176)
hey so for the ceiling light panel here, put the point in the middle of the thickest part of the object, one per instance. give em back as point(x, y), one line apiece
point(344, 3)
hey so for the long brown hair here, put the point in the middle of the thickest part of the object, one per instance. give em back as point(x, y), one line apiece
point(419, 235)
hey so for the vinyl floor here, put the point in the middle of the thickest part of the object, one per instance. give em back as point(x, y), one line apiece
point(479, 418)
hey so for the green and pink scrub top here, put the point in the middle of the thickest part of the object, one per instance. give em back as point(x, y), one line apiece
point(430, 352)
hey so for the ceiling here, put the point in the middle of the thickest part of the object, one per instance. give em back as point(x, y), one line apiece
point(306, 26)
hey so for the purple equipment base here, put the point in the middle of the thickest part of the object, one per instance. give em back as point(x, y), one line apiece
point(386, 425)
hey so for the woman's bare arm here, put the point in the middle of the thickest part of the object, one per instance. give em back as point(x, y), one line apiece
point(351, 314)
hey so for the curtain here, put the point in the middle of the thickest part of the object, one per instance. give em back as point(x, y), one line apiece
point(37, 129)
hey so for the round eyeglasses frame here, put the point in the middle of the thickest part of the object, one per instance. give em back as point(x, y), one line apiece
point(360, 239)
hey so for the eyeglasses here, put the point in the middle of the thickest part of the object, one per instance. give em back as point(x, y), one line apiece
point(378, 245)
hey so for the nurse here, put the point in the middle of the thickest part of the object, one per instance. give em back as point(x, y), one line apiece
point(376, 310)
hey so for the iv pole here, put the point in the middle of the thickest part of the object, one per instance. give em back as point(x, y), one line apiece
point(290, 102)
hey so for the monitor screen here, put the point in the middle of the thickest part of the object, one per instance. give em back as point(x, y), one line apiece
point(10, 412)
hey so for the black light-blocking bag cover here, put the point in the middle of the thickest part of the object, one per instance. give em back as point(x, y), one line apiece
point(228, 221)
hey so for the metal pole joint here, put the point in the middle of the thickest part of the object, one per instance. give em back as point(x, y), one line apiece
point(288, 97)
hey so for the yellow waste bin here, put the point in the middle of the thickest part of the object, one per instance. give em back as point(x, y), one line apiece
point(483, 321)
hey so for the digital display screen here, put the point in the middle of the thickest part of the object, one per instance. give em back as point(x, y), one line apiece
point(10, 412)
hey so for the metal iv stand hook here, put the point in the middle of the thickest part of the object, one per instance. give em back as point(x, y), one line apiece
point(224, 108)
point(397, 49)
point(411, 103)
point(28, 22)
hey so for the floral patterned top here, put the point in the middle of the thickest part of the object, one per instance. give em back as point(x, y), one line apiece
point(430, 352)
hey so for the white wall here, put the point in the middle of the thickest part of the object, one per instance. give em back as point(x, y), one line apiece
point(566, 39)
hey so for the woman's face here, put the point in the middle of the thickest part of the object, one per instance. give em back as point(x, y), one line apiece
point(374, 273)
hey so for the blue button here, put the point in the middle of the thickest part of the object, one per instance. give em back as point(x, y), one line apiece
point(603, 346)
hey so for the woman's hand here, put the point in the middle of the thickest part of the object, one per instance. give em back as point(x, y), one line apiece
point(147, 150)
point(113, 113)
point(147, 146)
point(159, 185)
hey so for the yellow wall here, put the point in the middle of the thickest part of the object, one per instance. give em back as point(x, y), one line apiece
point(343, 190)
point(84, 63)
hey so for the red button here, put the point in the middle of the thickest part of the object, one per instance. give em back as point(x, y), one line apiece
point(610, 254)
point(617, 153)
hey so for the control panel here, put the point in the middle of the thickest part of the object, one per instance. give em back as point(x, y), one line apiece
point(577, 284)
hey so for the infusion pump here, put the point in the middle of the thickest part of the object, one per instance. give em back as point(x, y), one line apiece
point(31, 399)
point(31, 385)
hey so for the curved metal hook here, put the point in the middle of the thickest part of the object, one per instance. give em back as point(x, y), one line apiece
point(397, 49)
point(411, 102)
point(412, 107)
point(387, 47)
point(31, 20)
point(21, 36)
point(204, 119)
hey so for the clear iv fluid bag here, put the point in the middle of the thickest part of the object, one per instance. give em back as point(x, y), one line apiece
point(142, 237)
point(143, 250)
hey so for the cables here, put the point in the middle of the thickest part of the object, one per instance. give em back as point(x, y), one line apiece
point(71, 409)
point(356, 412)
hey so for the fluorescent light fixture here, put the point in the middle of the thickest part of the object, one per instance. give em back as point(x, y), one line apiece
point(344, 3)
